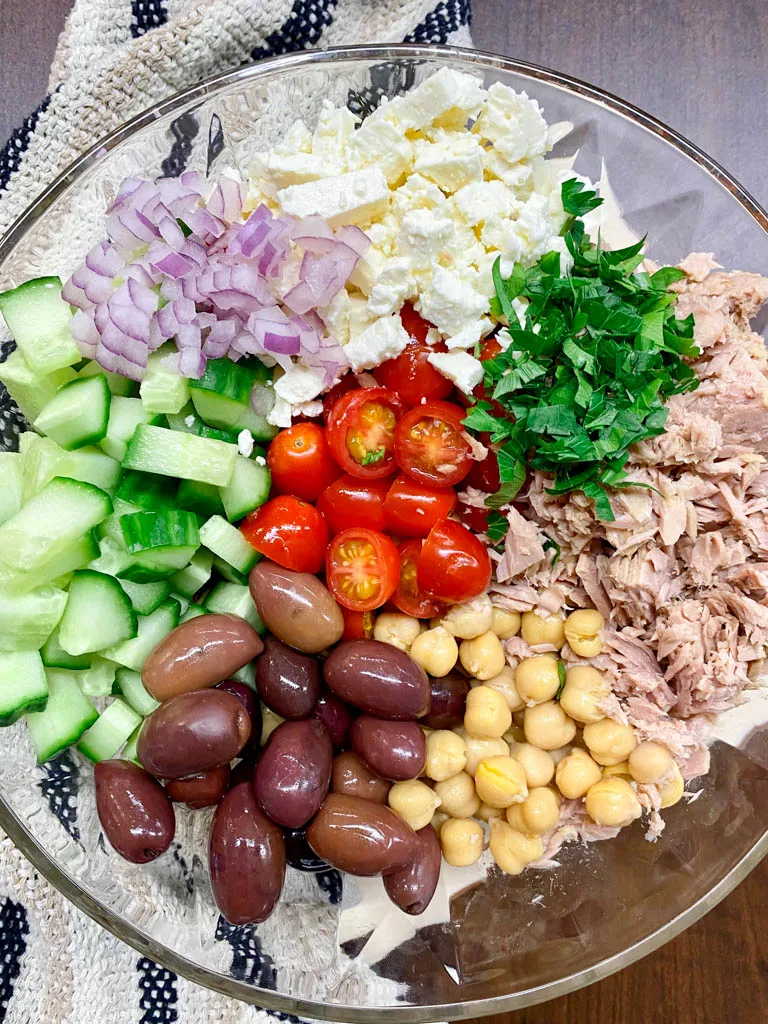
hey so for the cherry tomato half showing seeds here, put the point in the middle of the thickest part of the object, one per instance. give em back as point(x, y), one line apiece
point(411, 374)
point(361, 432)
point(453, 565)
point(357, 625)
point(347, 383)
point(407, 598)
point(412, 509)
point(289, 531)
point(362, 569)
point(350, 502)
point(430, 445)
point(300, 462)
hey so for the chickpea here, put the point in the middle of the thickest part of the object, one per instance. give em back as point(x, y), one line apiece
point(487, 813)
point(582, 631)
point(414, 802)
point(671, 790)
point(537, 679)
point(398, 630)
point(650, 762)
point(483, 657)
point(486, 713)
point(501, 781)
point(462, 841)
point(576, 773)
point(446, 754)
point(547, 726)
point(458, 796)
point(478, 748)
point(438, 820)
point(436, 651)
point(537, 814)
point(538, 764)
point(612, 802)
point(468, 620)
point(504, 682)
point(609, 742)
point(542, 629)
point(621, 771)
point(584, 689)
point(269, 722)
point(505, 624)
point(511, 849)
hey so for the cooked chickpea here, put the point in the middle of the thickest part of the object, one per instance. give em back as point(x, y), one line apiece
point(462, 841)
point(501, 781)
point(511, 849)
point(458, 796)
point(505, 624)
point(582, 631)
point(671, 790)
point(436, 651)
point(620, 770)
point(487, 713)
point(415, 802)
point(483, 657)
point(269, 722)
point(609, 742)
point(537, 679)
point(650, 762)
point(468, 620)
point(576, 773)
point(547, 726)
point(479, 747)
point(542, 629)
point(537, 814)
point(487, 813)
point(584, 689)
point(396, 629)
point(438, 820)
point(504, 682)
point(537, 764)
point(612, 802)
point(446, 754)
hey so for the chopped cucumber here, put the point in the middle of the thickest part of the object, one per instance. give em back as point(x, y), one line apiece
point(247, 490)
point(157, 564)
point(110, 731)
point(171, 528)
point(113, 558)
point(222, 393)
point(92, 466)
point(237, 600)
point(134, 691)
point(44, 460)
point(228, 572)
point(77, 556)
point(54, 655)
point(188, 422)
point(247, 675)
point(30, 390)
point(65, 718)
point(11, 474)
point(195, 576)
point(186, 456)
point(97, 680)
point(40, 322)
point(110, 528)
point(204, 499)
point(27, 620)
point(23, 686)
point(193, 611)
point(163, 389)
point(145, 597)
point(118, 385)
point(228, 543)
point(79, 413)
point(146, 490)
point(152, 629)
point(125, 414)
point(130, 752)
point(98, 614)
point(255, 414)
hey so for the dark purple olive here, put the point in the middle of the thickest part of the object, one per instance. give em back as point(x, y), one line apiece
point(296, 607)
point(247, 858)
point(134, 810)
point(412, 887)
point(361, 837)
point(300, 854)
point(243, 772)
point(202, 790)
point(250, 701)
point(294, 772)
point(336, 716)
point(395, 750)
point(378, 678)
point(352, 776)
point(288, 681)
point(449, 696)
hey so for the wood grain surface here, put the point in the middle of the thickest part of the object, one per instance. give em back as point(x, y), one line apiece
point(699, 65)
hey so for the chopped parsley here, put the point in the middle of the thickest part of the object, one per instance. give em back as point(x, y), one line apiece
point(561, 677)
point(371, 457)
point(591, 364)
point(497, 527)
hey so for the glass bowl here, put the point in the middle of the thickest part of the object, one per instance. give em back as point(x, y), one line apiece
point(500, 943)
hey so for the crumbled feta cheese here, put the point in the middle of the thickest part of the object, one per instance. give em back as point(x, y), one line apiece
point(513, 123)
point(417, 193)
point(384, 339)
point(189, 421)
point(335, 316)
point(280, 413)
point(295, 168)
point(424, 233)
point(335, 127)
point(394, 286)
point(350, 198)
point(482, 199)
point(309, 409)
point(451, 163)
point(368, 269)
point(464, 370)
point(469, 336)
point(448, 95)
point(245, 443)
point(382, 145)
point(450, 300)
point(516, 176)
point(359, 316)
point(299, 384)
point(433, 336)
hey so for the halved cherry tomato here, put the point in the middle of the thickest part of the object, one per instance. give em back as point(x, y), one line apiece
point(347, 383)
point(357, 625)
point(485, 475)
point(413, 509)
point(473, 517)
point(411, 374)
point(349, 502)
point(430, 445)
point(361, 432)
point(300, 461)
point(453, 565)
point(362, 568)
point(408, 598)
point(289, 531)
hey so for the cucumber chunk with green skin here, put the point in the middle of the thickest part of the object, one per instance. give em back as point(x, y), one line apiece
point(118, 385)
point(228, 543)
point(125, 414)
point(195, 576)
point(203, 499)
point(188, 422)
point(247, 490)
point(146, 490)
point(44, 460)
point(130, 750)
point(12, 489)
point(247, 675)
point(30, 390)
point(157, 564)
point(79, 413)
point(98, 680)
point(23, 686)
point(186, 456)
point(134, 691)
point(27, 620)
point(98, 615)
point(151, 630)
point(110, 731)
point(194, 611)
point(64, 719)
point(54, 655)
point(112, 559)
point(145, 597)
point(237, 600)
point(171, 528)
point(163, 389)
point(77, 556)
point(221, 394)
point(40, 322)
point(228, 572)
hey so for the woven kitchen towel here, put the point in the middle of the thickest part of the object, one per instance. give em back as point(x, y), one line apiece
point(114, 59)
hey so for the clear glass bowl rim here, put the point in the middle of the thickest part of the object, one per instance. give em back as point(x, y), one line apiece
point(14, 827)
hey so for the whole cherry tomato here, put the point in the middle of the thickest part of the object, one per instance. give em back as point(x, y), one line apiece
point(412, 509)
point(430, 444)
point(454, 565)
point(362, 568)
point(357, 625)
point(300, 461)
point(361, 432)
point(411, 374)
point(289, 531)
point(407, 598)
point(349, 502)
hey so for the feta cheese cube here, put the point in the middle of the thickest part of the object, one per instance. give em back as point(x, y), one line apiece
point(469, 336)
point(424, 234)
point(383, 145)
point(280, 413)
point(351, 198)
point(335, 127)
point(517, 177)
point(478, 200)
point(450, 300)
point(448, 95)
point(450, 163)
point(335, 316)
point(298, 384)
point(417, 193)
point(359, 316)
point(285, 169)
point(394, 286)
point(464, 370)
point(384, 339)
point(245, 443)
point(513, 123)
point(369, 268)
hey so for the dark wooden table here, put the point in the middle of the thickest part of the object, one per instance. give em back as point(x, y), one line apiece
point(699, 65)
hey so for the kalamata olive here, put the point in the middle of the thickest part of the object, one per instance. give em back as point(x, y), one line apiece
point(202, 790)
point(361, 837)
point(412, 887)
point(449, 695)
point(288, 681)
point(192, 733)
point(134, 810)
point(335, 715)
point(293, 773)
point(396, 750)
point(378, 678)
point(198, 654)
point(250, 701)
point(352, 776)
point(243, 771)
point(296, 607)
point(300, 854)
point(247, 858)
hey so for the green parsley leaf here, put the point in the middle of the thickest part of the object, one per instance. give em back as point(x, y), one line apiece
point(561, 677)
point(577, 198)
point(552, 545)
point(497, 527)
point(666, 276)
point(371, 457)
